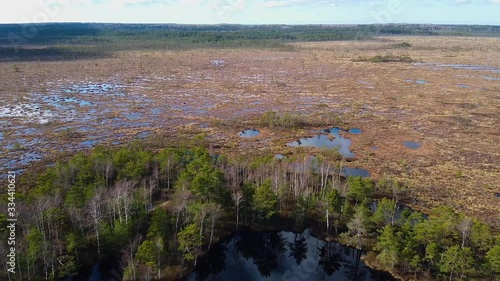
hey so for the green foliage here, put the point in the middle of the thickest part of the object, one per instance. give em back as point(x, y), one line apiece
point(334, 201)
point(360, 189)
point(63, 228)
point(70, 41)
point(403, 45)
point(389, 186)
point(160, 225)
point(432, 253)
point(69, 266)
point(203, 179)
point(347, 211)
point(387, 58)
point(264, 200)
point(439, 228)
point(68, 134)
point(132, 164)
point(3, 226)
point(389, 247)
point(74, 241)
point(292, 120)
point(481, 237)
point(45, 184)
point(146, 253)
point(493, 260)
point(456, 260)
point(246, 208)
point(74, 197)
point(301, 209)
point(189, 241)
point(35, 246)
point(170, 163)
point(359, 225)
point(385, 212)
point(283, 120)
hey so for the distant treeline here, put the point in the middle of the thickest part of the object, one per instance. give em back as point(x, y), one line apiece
point(88, 39)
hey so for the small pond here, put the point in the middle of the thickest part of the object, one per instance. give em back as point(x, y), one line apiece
point(217, 62)
point(282, 255)
point(355, 131)
point(249, 133)
point(420, 82)
point(143, 134)
point(471, 67)
point(411, 144)
point(88, 143)
point(326, 141)
point(93, 88)
point(490, 78)
point(279, 156)
point(354, 172)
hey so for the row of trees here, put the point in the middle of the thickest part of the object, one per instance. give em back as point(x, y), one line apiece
point(158, 212)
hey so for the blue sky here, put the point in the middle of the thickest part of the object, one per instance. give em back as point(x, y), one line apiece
point(253, 11)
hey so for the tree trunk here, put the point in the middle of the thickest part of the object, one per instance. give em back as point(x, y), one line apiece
point(96, 222)
point(327, 219)
point(237, 215)
point(211, 233)
point(394, 212)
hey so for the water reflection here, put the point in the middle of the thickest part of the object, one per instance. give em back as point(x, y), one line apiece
point(327, 142)
point(284, 256)
point(355, 172)
point(249, 133)
point(411, 144)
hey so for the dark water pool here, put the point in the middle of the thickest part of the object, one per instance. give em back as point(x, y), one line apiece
point(355, 172)
point(142, 135)
point(325, 141)
point(284, 256)
point(249, 133)
point(411, 144)
point(355, 131)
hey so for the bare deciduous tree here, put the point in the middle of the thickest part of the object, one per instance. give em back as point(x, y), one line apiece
point(95, 212)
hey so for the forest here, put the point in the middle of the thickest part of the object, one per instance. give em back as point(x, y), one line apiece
point(157, 211)
point(70, 41)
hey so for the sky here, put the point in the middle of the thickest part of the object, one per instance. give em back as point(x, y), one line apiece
point(253, 11)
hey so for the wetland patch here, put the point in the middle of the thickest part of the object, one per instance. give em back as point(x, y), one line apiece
point(249, 133)
point(411, 144)
point(332, 141)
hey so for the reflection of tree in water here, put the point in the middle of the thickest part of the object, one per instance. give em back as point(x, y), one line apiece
point(353, 270)
point(298, 248)
point(211, 263)
point(265, 248)
point(330, 258)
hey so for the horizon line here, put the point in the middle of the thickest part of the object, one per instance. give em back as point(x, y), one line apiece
point(250, 24)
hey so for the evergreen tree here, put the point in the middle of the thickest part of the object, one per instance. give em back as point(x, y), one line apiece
point(189, 242)
point(264, 200)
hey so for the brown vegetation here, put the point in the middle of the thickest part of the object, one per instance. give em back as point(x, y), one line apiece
point(458, 163)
